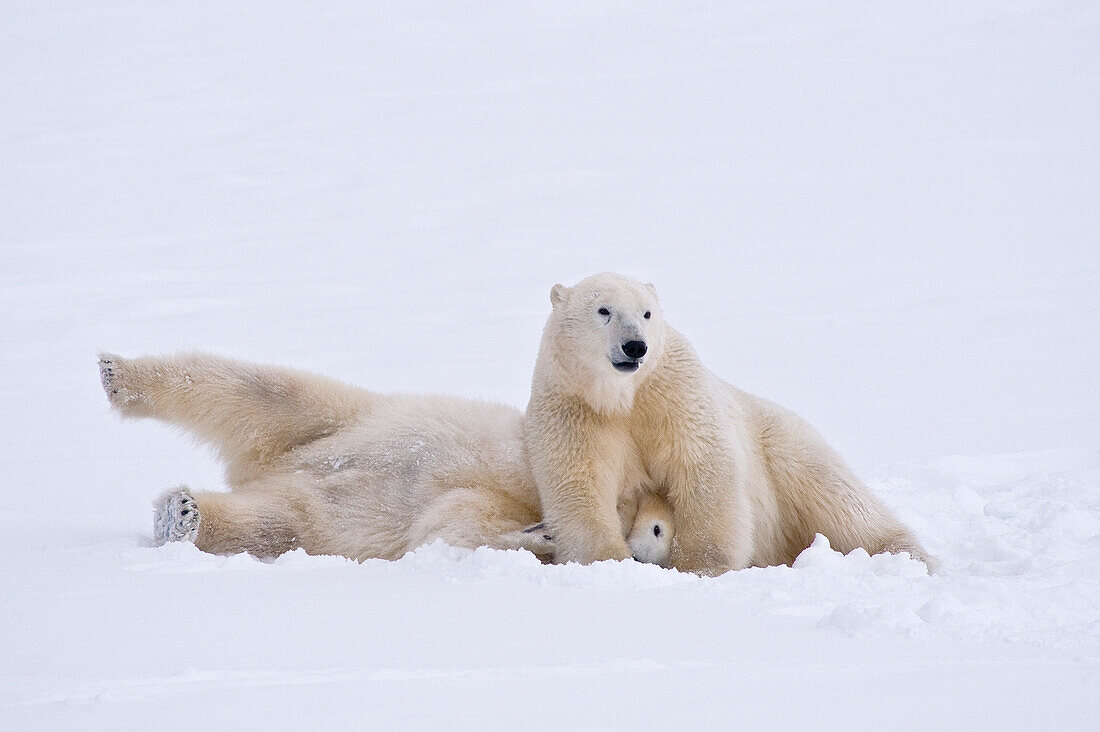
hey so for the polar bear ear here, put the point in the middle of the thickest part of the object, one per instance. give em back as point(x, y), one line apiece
point(652, 290)
point(558, 294)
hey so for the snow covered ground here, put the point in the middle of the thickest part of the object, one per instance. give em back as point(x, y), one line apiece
point(883, 216)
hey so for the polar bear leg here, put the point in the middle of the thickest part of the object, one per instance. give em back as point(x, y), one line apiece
point(902, 540)
point(261, 523)
point(705, 543)
point(713, 520)
point(250, 413)
point(474, 517)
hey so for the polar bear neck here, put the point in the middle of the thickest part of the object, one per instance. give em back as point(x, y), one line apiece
point(605, 393)
point(613, 395)
point(602, 393)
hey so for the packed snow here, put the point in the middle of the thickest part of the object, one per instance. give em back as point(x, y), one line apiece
point(881, 216)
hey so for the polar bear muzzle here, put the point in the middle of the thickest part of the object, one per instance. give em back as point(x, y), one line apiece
point(634, 350)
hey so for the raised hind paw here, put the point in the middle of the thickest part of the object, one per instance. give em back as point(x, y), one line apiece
point(113, 372)
point(176, 517)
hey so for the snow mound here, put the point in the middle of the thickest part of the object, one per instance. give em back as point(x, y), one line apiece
point(520, 566)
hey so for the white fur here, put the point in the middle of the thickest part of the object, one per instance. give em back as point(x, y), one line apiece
point(649, 537)
point(750, 483)
point(328, 467)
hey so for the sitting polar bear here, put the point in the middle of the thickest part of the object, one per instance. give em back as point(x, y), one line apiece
point(334, 469)
point(620, 398)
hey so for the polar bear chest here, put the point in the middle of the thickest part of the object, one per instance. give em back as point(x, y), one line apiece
point(622, 458)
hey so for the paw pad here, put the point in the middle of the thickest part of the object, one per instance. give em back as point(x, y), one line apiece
point(176, 517)
point(107, 375)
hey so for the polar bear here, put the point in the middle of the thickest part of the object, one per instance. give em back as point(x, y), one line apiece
point(331, 468)
point(619, 398)
point(652, 531)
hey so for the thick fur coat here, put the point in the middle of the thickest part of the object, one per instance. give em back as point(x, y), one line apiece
point(619, 398)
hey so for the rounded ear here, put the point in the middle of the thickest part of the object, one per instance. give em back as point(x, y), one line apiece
point(653, 290)
point(558, 294)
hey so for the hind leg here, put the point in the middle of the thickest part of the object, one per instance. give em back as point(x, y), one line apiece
point(902, 540)
point(471, 518)
point(847, 513)
point(262, 523)
point(252, 414)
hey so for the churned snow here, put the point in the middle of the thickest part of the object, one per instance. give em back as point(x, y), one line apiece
point(881, 216)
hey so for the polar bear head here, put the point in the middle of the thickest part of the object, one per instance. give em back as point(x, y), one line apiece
point(650, 539)
point(603, 338)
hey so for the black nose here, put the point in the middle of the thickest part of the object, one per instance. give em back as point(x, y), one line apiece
point(634, 349)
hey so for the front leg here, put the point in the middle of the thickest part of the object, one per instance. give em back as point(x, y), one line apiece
point(584, 521)
point(579, 468)
point(713, 518)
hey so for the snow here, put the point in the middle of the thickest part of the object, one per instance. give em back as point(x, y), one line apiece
point(882, 217)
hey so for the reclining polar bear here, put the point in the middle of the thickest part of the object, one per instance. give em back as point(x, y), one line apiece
point(334, 469)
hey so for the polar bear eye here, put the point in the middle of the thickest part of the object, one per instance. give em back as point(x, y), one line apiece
point(656, 530)
point(647, 314)
point(604, 311)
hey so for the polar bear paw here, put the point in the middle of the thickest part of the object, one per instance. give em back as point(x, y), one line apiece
point(176, 517)
point(534, 539)
point(111, 375)
point(124, 383)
